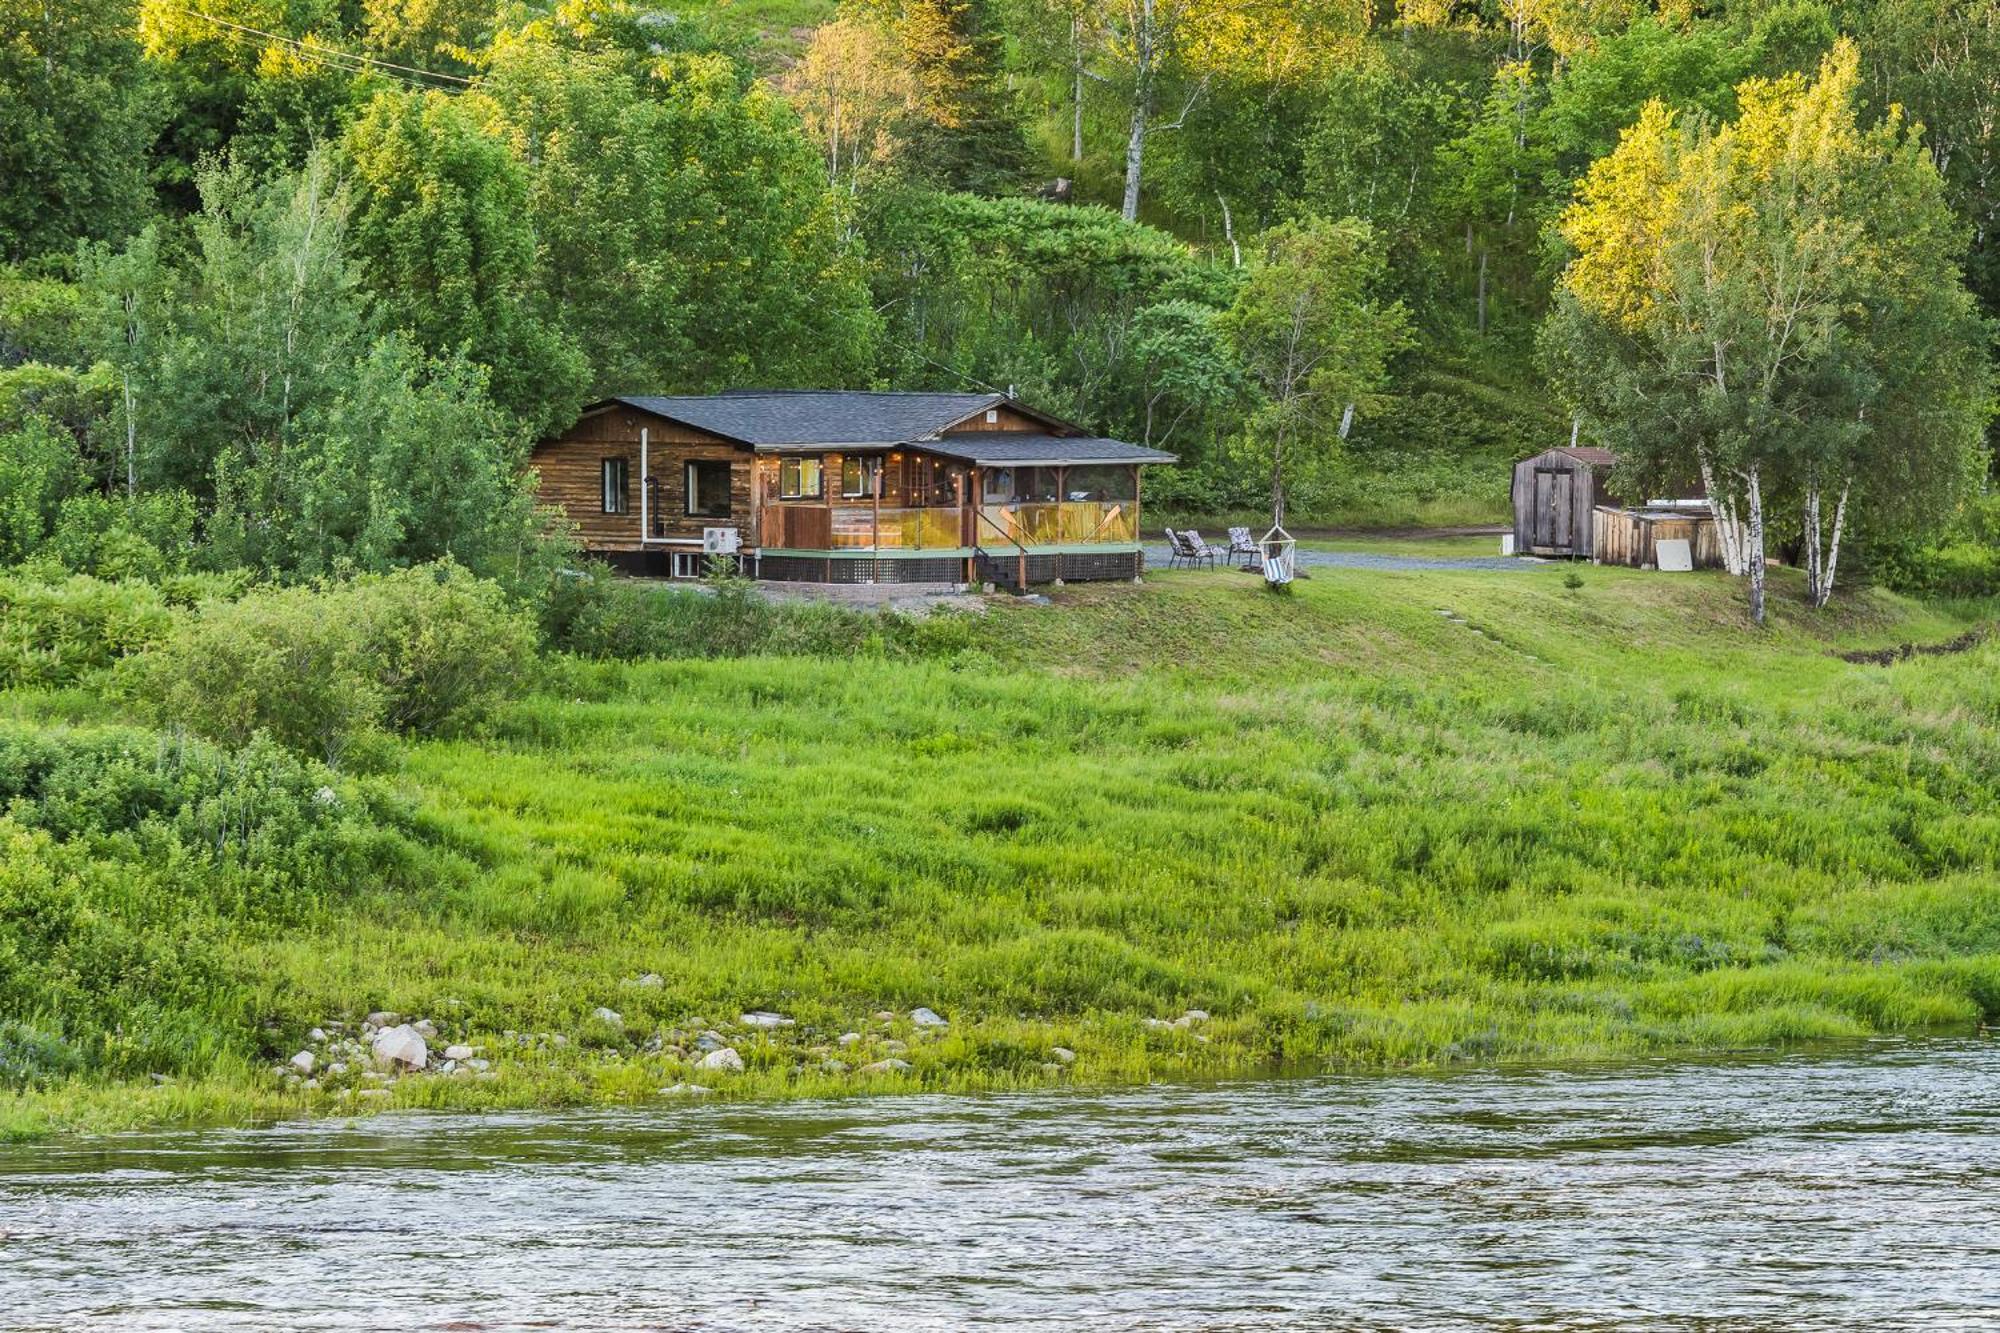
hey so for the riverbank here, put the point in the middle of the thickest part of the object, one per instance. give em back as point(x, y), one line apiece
point(1391, 820)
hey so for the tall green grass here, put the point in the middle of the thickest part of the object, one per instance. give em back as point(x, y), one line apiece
point(1564, 823)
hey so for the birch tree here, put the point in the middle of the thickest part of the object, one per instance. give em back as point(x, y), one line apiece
point(131, 288)
point(1759, 303)
point(848, 89)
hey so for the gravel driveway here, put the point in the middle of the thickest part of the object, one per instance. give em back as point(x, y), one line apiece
point(1157, 556)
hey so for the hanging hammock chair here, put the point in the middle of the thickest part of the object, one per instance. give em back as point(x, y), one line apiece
point(1280, 554)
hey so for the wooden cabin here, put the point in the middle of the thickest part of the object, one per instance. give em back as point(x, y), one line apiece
point(1632, 536)
point(1555, 493)
point(848, 487)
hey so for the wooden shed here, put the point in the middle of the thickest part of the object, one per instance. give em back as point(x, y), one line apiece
point(1554, 494)
point(1632, 536)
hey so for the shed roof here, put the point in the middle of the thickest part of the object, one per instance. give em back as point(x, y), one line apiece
point(776, 418)
point(1588, 454)
point(1013, 448)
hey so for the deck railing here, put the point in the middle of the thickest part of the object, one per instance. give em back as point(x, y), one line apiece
point(1066, 523)
point(862, 527)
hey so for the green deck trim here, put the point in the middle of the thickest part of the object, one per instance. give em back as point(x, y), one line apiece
point(886, 553)
point(949, 552)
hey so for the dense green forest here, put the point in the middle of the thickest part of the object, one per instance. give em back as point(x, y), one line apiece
point(291, 284)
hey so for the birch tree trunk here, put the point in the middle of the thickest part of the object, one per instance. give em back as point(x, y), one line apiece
point(1833, 547)
point(1822, 548)
point(1753, 485)
point(1076, 88)
point(1722, 508)
point(131, 440)
point(1278, 477)
point(1229, 232)
point(1812, 538)
point(1144, 34)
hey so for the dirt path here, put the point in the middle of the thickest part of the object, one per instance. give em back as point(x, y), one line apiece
point(1158, 555)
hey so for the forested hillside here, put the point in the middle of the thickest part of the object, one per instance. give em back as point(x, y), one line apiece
point(293, 282)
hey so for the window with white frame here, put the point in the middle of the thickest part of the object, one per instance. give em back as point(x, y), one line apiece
point(617, 488)
point(799, 478)
point(857, 477)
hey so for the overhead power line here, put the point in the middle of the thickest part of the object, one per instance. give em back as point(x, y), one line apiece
point(344, 60)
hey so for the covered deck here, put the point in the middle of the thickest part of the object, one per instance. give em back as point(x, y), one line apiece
point(1006, 505)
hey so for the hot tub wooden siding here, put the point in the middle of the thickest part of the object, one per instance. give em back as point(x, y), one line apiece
point(1632, 536)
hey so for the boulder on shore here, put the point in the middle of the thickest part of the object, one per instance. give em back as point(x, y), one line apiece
point(891, 1066)
point(304, 1062)
point(927, 1018)
point(401, 1047)
point(725, 1059)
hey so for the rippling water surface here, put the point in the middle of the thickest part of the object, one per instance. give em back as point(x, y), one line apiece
point(1854, 1189)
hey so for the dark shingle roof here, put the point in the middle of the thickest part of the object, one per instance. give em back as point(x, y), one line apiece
point(773, 419)
point(992, 448)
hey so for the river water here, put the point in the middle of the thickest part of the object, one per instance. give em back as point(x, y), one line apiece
point(1854, 1188)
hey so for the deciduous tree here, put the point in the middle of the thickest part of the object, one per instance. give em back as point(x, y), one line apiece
point(1314, 335)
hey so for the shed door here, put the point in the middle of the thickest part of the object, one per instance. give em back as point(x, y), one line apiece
point(1553, 510)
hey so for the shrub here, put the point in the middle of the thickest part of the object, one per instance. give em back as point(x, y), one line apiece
point(31, 1058)
point(148, 536)
point(444, 647)
point(129, 864)
point(422, 650)
point(283, 661)
point(1965, 562)
point(598, 615)
point(55, 632)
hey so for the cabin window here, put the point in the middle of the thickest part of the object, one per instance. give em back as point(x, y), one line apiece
point(708, 488)
point(801, 479)
point(857, 477)
point(932, 481)
point(617, 488)
point(1020, 485)
point(1105, 484)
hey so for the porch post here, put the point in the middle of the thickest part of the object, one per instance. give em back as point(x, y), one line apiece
point(875, 523)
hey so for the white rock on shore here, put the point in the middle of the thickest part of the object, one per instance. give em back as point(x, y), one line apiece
point(891, 1066)
point(764, 1020)
point(725, 1059)
point(401, 1047)
point(304, 1062)
point(927, 1018)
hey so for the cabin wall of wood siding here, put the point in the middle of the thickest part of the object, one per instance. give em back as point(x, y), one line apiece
point(1009, 419)
point(570, 475)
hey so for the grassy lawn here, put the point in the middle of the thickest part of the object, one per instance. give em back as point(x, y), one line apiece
point(1554, 824)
